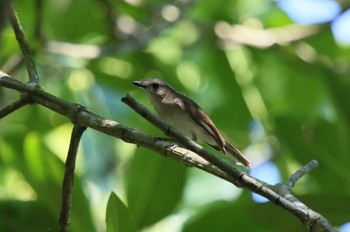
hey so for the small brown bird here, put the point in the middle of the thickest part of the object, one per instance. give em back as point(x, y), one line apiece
point(186, 116)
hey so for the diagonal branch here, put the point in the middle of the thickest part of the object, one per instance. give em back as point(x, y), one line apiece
point(312, 220)
point(292, 180)
point(22, 41)
point(15, 106)
point(69, 178)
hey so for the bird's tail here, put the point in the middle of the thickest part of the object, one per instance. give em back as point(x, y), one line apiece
point(237, 154)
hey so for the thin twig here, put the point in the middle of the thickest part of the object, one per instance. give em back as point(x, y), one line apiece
point(23, 43)
point(15, 106)
point(69, 178)
point(300, 173)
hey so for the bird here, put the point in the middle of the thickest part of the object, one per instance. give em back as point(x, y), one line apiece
point(186, 116)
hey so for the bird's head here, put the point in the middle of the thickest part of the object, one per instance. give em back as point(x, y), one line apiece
point(155, 87)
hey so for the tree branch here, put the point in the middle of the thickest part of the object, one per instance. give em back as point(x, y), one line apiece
point(312, 220)
point(292, 180)
point(15, 106)
point(69, 178)
point(209, 163)
point(23, 43)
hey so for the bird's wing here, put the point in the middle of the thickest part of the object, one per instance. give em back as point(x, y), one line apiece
point(197, 113)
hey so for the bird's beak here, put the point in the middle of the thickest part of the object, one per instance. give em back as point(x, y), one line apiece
point(140, 84)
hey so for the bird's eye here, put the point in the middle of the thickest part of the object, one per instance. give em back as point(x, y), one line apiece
point(155, 86)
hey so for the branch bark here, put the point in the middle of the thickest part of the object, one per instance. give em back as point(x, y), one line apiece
point(23, 43)
point(23, 101)
point(69, 178)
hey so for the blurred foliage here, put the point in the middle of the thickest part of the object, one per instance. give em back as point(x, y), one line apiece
point(118, 217)
point(286, 102)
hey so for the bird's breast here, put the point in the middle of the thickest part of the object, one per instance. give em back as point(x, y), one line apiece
point(182, 121)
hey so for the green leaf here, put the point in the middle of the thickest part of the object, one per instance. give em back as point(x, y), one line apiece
point(155, 186)
point(118, 217)
point(26, 216)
